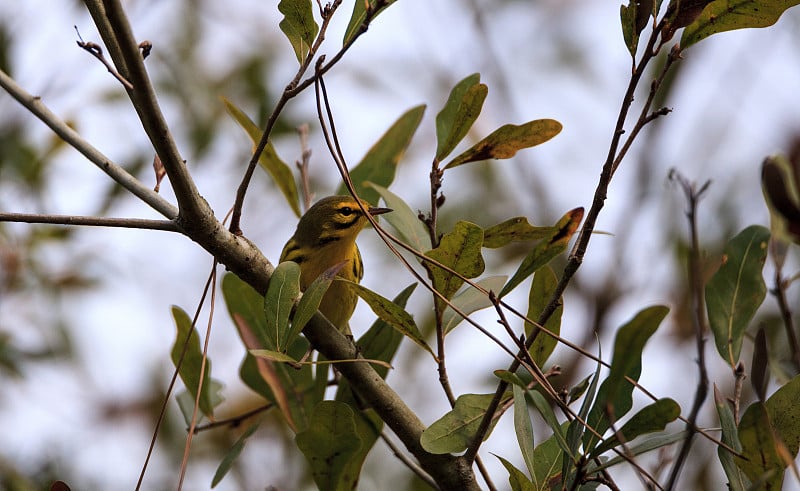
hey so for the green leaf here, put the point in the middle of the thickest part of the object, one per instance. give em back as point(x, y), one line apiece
point(269, 159)
point(270, 355)
point(513, 230)
point(577, 390)
point(404, 220)
point(381, 340)
point(647, 445)
point(548, 457)
point(459, 114)
point(391, 313)
point(784, 413)
point(329, 444)
point(727, 15)
point(649, 419)
point(360, 16)
point(189, 369)
point(380, 163)
point(504, 142)
point(510, 377)
point(549, 416)
point(542, 288)
point(523, 427)
point(243, 301)
point(780, 180)
point(547, 249)
point(575, 429)
point(627, 15)
point(516, 478)
point(282, 291)
point(680, 13)
point(309, 302)
point(634, 17)
point(759, 448)
point(460, 250)
point(454, 432)
point(736, 290)
point(186, 401)
point(470, 300)
point(286, 387)
point(299, 25)
point(233, 454)
point(616, 393)
point(730, 437)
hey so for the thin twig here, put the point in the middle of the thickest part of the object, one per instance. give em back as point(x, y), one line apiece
point(163, 411)
point(303, 165)
point(233, 421)
point(288, 93)
point(779, 290)
point(693, 196)
point(95, 50)
point(140, 223)
point(648, 481)
point(738, 382)
point(202, 378)
point(413, 466)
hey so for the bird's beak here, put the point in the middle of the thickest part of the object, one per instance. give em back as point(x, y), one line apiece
point(378, 211)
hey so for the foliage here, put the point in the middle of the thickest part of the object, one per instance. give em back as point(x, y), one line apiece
point(462, 272)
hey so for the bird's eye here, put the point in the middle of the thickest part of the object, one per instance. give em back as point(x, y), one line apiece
point(346, 211)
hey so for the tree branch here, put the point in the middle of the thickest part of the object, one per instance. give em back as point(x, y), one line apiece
point(35, 105)
point(115, 30)
point(140, 223)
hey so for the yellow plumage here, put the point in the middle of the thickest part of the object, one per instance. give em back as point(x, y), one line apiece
point(326, 236)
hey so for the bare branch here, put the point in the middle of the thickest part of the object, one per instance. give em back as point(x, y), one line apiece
point(116, 32)
point(35, 105)
point(139, 223)
point(95, 50)
point(416, 469)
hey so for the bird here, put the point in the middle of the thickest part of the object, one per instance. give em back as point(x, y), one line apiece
point(326, 237)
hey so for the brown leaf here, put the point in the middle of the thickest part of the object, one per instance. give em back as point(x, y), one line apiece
point(158, 166)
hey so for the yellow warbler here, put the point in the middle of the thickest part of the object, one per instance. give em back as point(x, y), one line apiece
point(325, 237)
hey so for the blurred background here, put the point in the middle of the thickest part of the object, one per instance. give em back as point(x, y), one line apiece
point(85, 325)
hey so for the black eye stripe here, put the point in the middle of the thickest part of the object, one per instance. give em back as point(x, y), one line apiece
point(351, 220)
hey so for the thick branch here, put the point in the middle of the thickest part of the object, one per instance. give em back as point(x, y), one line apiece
point(450, 472)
